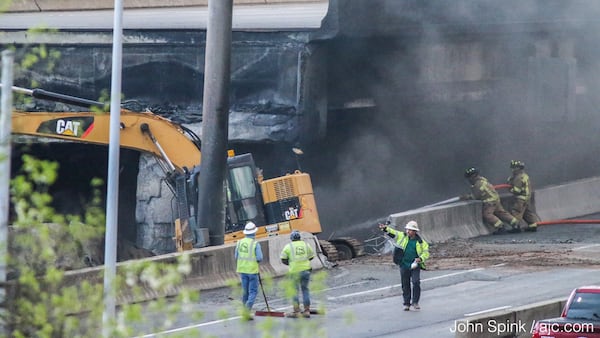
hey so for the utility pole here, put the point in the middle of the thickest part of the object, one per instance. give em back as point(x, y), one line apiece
point(215, 120)
point(5, 130)
point(112, 195)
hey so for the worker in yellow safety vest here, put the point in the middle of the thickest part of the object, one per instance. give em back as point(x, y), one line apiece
point(248, 254)
point(297, 255)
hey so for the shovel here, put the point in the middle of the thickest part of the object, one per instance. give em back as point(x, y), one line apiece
point(267, 313)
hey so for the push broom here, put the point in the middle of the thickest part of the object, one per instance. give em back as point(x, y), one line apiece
point(267, 313)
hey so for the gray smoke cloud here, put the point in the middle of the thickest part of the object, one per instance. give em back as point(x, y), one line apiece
point(477, 83)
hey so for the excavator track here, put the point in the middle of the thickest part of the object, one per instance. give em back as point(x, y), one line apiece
point(348, 247)
point(329, 250)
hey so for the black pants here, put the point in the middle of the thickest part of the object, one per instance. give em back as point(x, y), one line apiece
point(406, 276)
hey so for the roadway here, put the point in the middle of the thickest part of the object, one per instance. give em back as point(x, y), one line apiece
point(371, 306)
point(363, 298)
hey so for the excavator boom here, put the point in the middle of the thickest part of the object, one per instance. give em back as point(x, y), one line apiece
point(90, 127)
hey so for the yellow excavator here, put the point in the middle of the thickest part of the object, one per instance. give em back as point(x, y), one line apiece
point(277, 205)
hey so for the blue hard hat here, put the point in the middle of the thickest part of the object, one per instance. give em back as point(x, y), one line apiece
point(295, 235)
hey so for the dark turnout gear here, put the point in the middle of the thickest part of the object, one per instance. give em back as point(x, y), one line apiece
point(522, 204)
point(493, 213)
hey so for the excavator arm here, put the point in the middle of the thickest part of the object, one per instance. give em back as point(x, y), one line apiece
point(90, 127)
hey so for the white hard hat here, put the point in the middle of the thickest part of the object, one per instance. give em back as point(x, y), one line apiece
point(412, 225)
point(250, 228)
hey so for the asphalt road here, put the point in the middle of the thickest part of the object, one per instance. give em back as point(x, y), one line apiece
point(362, 298)
point(366, 302)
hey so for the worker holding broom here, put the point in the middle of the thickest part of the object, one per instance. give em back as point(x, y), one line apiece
point(297, 255)
point(248, 254)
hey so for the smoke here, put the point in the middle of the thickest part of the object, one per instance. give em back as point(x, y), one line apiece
point(476, 83)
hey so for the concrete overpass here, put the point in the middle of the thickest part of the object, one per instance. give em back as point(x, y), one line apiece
point(247, 14)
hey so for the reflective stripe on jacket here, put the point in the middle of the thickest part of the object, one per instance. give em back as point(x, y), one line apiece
point(298, 254)
point(484, 191)
point(402, 241)
point(246, 256)
point(520, 185)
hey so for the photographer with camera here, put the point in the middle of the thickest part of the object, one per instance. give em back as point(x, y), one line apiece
point(410, 254)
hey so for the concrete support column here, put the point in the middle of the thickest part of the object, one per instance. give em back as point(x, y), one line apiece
point(215, 120)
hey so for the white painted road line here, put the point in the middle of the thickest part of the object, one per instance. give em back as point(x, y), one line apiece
point(585, 247)
point(488, 310)
point(400, 285)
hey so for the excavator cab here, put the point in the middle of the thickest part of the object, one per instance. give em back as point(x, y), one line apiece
point(244, 198)
point(277, 206)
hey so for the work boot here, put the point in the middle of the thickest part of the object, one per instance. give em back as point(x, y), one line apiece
point(514, 230)
point(295, 313)
point(499, 231)
point(306, 313)
point(247, 315)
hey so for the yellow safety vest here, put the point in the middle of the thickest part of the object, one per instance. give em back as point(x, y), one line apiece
point(298, 254)
point(246, 260)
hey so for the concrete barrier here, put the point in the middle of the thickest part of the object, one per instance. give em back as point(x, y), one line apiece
point(211, 267)
point(441, 223)
point(463, 219)
point(569, 200)
point(276, 245)
point(513, 322)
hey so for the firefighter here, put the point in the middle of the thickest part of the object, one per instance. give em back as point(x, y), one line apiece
point(522, 206)
point(492, 211)
point(297, 255)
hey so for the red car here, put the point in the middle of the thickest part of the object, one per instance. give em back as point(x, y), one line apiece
point(580, 317)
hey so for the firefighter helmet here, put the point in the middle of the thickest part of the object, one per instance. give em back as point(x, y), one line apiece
point(472, 171)
point(516, 164)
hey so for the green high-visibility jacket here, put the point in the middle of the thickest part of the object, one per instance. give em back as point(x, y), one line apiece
point(402, 241)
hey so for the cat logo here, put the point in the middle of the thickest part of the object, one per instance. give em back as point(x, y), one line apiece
point(291, 213)
point(77, 127)
point(68, 128)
